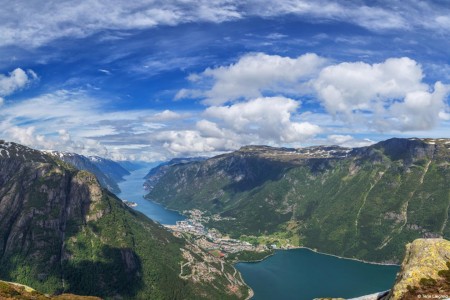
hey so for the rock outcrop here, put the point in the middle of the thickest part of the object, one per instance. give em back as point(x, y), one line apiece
point(12, 291)
point(425, 271)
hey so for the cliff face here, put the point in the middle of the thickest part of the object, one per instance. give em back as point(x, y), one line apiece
point(365, 202)
point(425, 271)
point(61, 232)
point(107, 172)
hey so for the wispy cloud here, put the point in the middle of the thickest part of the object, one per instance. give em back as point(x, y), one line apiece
point(40, 24)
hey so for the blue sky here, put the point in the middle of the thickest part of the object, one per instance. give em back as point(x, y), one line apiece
point(151, 80)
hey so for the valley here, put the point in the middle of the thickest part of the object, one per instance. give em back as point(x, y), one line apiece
point(94, 234)
point(363, 203)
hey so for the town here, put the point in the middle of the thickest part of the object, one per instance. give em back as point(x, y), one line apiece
point(210, 239)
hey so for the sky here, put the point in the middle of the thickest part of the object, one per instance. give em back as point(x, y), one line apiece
point(151, 80)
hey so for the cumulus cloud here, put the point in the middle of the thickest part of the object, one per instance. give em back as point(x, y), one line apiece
point(386, 96)
point(16, 80)
point(420, 110)
point(359, 86)
point(269, 118)
point(389, 96)
point(192, 142)
point(254, 74)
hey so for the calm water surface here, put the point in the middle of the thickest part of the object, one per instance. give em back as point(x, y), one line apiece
point(132, 190)
point(294, 274)
point(304, 274)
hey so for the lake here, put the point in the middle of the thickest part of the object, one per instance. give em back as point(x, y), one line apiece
point(133, 190)
point(293, 274)
point(303, 274)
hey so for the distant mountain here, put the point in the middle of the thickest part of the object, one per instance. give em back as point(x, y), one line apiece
point(108, 172)
point(110, 168)
point(61, 232)
point(157, 172)
point(364, 202)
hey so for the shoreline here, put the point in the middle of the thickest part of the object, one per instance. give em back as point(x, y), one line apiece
point(254, 261)
point(347, 258)
point(291, 248)
point(323, 253)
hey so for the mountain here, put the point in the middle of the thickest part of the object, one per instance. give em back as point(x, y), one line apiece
point(110, 168)
point(365, 203)
point(94, 165)
point(157, 172)
point(61, 232)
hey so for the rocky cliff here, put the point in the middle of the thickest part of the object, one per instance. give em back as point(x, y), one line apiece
point(61, 232)
point(366, 203)
point(425, 271)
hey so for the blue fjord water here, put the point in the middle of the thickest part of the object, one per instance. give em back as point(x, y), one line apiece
point(299, 274)
point(303, 274)
point(133, 190)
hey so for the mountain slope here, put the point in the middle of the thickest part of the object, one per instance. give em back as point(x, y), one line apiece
point(157, 172)
point(110, 168)
point(86, 163)
point(364, 202)
point(61, 232)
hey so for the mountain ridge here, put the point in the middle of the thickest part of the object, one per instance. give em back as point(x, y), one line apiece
point(60, 231)
point(108, 172)
point(364, 203)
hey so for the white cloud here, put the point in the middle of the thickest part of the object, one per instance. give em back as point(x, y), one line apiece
point(351, 86)
point(420, 110)
point(268, 118)
point(388, 96)
point(16, 80)
point(348, 141)
point(254, 74)
point(166, 115)
point(337, 139)
point(191, 142)
point(40, 24)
